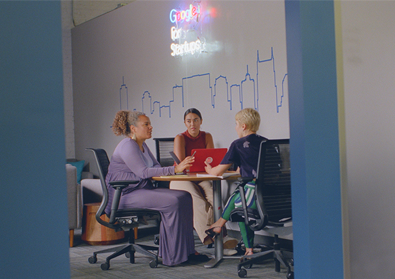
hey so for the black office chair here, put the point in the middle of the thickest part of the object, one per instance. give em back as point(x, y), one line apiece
point(163, 147)
point(125, 219)
point(273, 200)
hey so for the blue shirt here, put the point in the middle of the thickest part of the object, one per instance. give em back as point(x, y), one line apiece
point(243, 153)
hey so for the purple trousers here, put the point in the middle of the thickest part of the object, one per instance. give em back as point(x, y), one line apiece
point(176, 228)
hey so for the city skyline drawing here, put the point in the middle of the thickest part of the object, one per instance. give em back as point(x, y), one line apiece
point(259, 86)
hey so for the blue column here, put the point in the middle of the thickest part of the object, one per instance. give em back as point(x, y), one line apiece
point(33, 197)
point(314, 139)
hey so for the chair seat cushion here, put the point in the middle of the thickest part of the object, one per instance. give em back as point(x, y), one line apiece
point(135, 212)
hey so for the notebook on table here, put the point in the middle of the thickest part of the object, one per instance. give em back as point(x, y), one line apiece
point(213, 156)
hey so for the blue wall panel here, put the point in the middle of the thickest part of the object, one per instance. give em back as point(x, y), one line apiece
point(316, 191)
point(33, 200)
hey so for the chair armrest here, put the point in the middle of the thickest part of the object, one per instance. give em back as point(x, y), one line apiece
point(122, 183)
point(118, 186)
point(242, 181)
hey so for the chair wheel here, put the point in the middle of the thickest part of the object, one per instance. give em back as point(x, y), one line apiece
point(290, 275)
point(153, 264)
point(92, 259)
point(105, 266)
point(246, 266)
point(242, 273)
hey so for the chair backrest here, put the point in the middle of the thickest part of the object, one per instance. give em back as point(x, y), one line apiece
point(273, 184)
point(163, 147)
point(102, 162)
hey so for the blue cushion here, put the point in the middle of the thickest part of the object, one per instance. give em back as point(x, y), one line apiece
point(79, 165)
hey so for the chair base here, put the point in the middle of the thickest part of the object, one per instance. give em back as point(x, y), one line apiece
point(280, 258)
point(129, 250)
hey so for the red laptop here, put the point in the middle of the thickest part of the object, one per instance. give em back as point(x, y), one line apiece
point(213, 156)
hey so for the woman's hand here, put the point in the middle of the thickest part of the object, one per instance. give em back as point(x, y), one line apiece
point(186, 163)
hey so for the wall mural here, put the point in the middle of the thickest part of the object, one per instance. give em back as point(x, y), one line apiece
point(163, 57)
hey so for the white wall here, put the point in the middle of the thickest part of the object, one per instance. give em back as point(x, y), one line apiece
point(128, 51)
point(369, 76)
point(73, 14)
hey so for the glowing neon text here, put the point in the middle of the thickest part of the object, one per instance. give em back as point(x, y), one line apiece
point(175, 33)
point(181, 49)
point(187, 15)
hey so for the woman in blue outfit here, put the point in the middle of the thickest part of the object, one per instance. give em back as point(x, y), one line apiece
point(132, 160)
point(243, 153)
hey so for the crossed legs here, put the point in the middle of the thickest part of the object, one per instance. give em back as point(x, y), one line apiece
point(202, 199)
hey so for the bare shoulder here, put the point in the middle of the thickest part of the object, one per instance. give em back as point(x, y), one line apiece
point(179, 139)
point(209, 140)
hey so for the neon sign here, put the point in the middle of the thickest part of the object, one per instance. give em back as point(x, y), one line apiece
point(175, 33)
point(181, 49)
point(185, 23)
point(177, 16)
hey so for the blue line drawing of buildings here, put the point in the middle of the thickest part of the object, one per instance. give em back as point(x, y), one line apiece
point(233, 89)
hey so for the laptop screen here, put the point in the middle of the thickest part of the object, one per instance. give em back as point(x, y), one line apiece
point(213, 156)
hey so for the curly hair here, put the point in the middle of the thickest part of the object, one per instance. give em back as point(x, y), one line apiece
point(250, 117)
point(122, 121)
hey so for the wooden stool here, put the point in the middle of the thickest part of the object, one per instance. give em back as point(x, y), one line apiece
point(94, 233)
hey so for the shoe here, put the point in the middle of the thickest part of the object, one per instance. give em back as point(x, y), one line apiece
point(230, 252)
point(229, 242)
point(211, 233)
point(198, 258)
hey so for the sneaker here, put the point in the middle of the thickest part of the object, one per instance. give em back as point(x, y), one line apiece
point(229, 242)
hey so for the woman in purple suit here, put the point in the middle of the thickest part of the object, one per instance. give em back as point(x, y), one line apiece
point(132, 160)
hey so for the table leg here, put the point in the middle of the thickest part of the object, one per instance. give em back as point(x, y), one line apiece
point(218, 243)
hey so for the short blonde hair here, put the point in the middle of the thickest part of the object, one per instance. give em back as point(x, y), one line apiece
point(250, 117)
point(122, 121)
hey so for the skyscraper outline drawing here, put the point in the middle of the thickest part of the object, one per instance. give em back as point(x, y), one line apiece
point(213, 89)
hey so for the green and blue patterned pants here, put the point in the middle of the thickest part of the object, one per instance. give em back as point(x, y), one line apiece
point(235, 201)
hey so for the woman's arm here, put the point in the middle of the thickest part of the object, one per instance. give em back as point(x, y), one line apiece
point(209, 141)
point(187, 162)
point(131, 155)
point(179, 147)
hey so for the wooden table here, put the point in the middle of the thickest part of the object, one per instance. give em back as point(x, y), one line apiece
point(217, 207)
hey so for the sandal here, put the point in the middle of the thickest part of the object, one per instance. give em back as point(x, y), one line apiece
point(211, 233)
